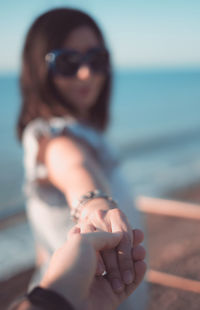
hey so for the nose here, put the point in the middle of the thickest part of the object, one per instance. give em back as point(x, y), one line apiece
point(83, 73)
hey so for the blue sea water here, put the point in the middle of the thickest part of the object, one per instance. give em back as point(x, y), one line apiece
point(155, 124)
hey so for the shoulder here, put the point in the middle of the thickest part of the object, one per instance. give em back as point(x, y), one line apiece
point(65, 148)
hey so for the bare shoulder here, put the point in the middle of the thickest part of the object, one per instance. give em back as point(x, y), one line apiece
point(60, 146)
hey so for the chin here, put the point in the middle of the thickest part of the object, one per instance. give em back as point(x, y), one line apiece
point(83, 101)
point(87, 103)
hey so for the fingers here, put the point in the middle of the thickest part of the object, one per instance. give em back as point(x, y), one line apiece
point(98, 218)
point(101, 240)
point(119, 222)
point(140, 269)
point(100, 265)
point(86, 229)
point(74, 230)
point(138, 237)
point(125, 259)
point(112, 269)
point(138, 253)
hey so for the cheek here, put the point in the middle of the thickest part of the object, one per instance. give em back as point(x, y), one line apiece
point(63, 85)
point(99, 81)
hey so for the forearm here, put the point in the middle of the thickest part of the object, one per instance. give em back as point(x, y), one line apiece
point(75, 172)
point(80, 179)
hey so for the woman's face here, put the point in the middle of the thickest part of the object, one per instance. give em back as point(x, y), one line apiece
point(82, 89)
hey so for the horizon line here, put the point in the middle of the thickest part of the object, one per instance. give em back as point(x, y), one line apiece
point(128, 68)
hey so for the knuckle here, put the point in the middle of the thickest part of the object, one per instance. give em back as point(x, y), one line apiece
point(99, 214)
point(124, 249)
point(125, 245)
point(139, 251)
point(113, 272)
point(125, 262)
point(126, 239)
point(110, 260)
point(116, 212)
point(89, 227)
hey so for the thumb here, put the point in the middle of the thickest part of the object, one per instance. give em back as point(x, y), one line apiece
point(102, 240)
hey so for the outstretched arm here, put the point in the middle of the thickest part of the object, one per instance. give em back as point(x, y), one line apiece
point(73, 168)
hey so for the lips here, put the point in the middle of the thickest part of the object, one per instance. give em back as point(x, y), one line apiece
point(84, 91)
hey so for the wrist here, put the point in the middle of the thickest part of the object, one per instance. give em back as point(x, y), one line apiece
point(65, 290)
point(105, 202)
point(48, 298)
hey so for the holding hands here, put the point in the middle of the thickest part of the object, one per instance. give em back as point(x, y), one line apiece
point(72, 269)
point(117, 262)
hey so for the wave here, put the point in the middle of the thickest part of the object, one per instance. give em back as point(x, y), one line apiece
point(156, 143)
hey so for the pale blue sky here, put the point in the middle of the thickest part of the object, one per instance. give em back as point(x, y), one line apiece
point(140, 33)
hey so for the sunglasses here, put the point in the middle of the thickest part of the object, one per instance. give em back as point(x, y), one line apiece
point(66, 62)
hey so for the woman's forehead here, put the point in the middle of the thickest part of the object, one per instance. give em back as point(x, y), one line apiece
point(82, 39)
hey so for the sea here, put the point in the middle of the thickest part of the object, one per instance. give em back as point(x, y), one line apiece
point(154, 128)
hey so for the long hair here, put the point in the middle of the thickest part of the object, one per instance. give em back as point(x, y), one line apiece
point(40, 97)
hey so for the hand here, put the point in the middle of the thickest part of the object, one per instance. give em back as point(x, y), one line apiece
point(118, 262)
point(72, 269)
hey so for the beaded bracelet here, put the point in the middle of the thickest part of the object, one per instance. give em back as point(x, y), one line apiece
point(76, 211)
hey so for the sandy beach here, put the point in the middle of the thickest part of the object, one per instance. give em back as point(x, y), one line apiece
point(173, 248)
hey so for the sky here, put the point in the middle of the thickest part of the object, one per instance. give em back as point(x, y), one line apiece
point(141, 34)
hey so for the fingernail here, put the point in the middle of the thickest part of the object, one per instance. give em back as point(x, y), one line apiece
point(117, 285)
point(128, 277)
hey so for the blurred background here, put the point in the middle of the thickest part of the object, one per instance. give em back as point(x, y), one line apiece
point(155, 122)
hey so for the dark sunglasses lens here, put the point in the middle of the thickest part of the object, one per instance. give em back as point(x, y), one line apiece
point(99, 60)
point(67, 64)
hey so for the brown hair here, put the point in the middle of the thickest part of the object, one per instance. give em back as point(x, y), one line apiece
point(39, 95)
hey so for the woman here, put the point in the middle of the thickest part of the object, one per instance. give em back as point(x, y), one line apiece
point(70, 169)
